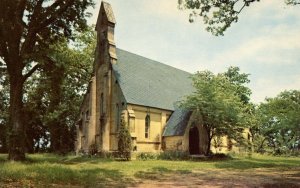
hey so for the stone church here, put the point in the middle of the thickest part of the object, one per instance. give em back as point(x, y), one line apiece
point(142, 91)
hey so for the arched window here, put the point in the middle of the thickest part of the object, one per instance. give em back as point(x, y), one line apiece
point(117, 116)
point(147, 126)
point(101, 104)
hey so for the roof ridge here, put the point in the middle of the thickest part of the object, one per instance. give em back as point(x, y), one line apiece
point(156, 61)
point(147, 82)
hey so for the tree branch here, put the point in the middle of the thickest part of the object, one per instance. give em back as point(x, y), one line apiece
point(30, 37)
point(36, 25)
point(28, 74)
point(20, 9)
point(54, 15)
point(3, 46)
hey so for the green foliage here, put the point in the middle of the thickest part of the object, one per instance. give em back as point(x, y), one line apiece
point(53, 95)
point(280, 122)
point(124, 141)
point(177, 156)
point(44, 170)
point(146, 156)
point(220, 102)
point(55, 92)
point(292, 2)
point(260, 144)
point(174, 155)
point(93, 149)
point(27, 31)
point(239, 80)
point(219, 15)
point(4, 100)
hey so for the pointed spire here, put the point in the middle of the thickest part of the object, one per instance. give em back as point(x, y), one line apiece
point(105, 30)
point(105, 16)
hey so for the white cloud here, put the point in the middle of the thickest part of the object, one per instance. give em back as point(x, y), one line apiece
point(166, 9)
point(265, 87)
point(274, 47)
point(265, 42)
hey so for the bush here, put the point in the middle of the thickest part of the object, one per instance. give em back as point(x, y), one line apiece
point(146, 156)
point(93, 149)
point(124, 141)
point(220, 156)
point(174, 155)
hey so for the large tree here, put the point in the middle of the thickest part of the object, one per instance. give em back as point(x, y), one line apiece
point(54, 94)
point(218, 101)
point(218, 15)
point(27, 29)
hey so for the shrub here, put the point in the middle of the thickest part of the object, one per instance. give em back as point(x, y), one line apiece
point(124, 141)
point(146, 156)
point(174, 155)
point(93, 149)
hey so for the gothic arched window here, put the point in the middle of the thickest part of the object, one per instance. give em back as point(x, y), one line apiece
point(147, 126)
point(101, 104)
point(117, 116)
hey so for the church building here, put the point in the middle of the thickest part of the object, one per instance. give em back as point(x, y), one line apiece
point(142, 91)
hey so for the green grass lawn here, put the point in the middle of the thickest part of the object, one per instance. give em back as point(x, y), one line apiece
point(42, 170)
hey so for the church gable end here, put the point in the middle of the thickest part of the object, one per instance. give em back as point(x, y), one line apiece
point(142, 91)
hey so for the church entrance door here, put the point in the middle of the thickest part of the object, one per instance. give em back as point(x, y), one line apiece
point(194, 141)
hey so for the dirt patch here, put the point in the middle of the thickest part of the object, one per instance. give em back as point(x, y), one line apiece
point(265, 178)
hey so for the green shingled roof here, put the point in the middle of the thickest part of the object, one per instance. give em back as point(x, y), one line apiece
point(150, 83)
point(177, 123)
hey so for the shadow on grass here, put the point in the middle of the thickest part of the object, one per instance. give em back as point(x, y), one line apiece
point(165, 177)
point(41, 175)
point(66, 160)
point(46, 169)
point(3, 158)
point(159, 173)
point(243, 164)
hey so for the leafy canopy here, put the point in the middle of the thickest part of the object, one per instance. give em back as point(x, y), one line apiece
point(219, 15)
point(218, 101)
point(27, 30)
point(54, 93)
point(280, 121)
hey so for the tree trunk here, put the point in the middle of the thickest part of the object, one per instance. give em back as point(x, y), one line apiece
point(208, 146)
point(209, 136)
point(16, 131)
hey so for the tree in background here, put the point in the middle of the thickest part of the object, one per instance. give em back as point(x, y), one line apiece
point(27, 29)
point(4, 100)
point(218, 101)
point(54, 94)
point(124, 141)
point(239, 80)
point(280, 122)
point(218, 15)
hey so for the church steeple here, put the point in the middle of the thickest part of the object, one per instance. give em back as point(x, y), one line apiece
point(105, 14)
point(106, 47)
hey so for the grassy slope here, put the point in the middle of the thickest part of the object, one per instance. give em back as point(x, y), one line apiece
point(47, 169)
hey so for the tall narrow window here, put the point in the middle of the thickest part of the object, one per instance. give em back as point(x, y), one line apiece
point(101, 104)
point(82, 142)
point(87, 115)
point(117, 116)
point(131, 118)
point(147, 126)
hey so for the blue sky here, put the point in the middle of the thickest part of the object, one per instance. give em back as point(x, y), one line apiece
point(264, 43)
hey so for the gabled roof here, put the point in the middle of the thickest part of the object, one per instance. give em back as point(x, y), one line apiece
point(150, 83)
point(177, 123)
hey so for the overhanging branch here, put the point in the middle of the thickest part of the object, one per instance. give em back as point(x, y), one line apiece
point(28, 74)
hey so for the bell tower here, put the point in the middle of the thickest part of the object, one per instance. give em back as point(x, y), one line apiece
point(106, 47)
point(105, 57)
